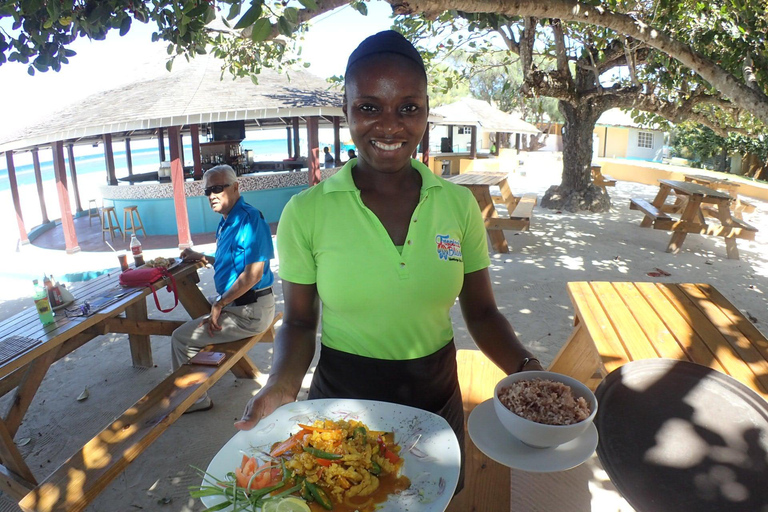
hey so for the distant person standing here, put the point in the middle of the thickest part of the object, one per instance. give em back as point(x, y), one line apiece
point(351, 153)
point(329, 160)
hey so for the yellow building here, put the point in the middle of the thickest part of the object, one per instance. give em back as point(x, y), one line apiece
point(617, 135)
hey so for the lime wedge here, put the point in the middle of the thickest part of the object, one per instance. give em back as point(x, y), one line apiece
point(292, 504)
point(270, 505)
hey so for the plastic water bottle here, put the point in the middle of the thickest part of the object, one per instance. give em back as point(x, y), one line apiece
point(44, 310)
point(138, 257)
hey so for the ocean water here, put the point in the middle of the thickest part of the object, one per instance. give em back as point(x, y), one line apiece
point(144, 159)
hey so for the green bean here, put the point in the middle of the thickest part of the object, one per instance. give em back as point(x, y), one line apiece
point(320, 454)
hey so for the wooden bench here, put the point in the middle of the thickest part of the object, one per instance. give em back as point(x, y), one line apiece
point(619, 322)
point(81, 478)
point(486, 482)
point(601, 180)
point(648, 209)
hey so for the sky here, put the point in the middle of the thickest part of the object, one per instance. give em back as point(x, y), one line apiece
point(115, 61)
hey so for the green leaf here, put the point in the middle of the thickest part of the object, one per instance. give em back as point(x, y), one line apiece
point(261, 30)
point(169, 64)
point(361, 8)
point(234, 10)
point(210, 14)
point(250, 16)
point(125, 25)
point(31, 71)
point(284, 26)
point(292, 15)
point(309, 4)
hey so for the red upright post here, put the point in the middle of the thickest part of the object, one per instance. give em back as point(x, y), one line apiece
point(73, 175)
point(15, 196)
point(337, 140)
point(179, 197)
point(109, 159)
point(39, 183)
point(313, 140)
point(197, 162)
point(67, 224)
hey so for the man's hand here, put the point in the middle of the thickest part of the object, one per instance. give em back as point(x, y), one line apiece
point(213, 319)
point(190, 255)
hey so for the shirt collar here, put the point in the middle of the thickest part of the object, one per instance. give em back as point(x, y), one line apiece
point(342, 181)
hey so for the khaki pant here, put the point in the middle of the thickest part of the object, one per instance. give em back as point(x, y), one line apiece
point(237, 322)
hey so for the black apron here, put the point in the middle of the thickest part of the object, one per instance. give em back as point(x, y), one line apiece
point(430, 383)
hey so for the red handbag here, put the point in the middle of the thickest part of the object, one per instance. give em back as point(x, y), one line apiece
point(147, 276)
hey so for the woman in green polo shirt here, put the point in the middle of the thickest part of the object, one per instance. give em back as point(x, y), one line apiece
point(386, 247)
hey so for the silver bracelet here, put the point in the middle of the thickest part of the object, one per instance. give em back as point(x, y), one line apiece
point(526, 361)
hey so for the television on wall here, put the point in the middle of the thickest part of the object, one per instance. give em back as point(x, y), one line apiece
point(228, 130)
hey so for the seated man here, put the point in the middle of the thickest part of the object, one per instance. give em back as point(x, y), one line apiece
point(245, 305)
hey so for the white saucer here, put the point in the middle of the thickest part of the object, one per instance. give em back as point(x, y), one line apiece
point(491, 438)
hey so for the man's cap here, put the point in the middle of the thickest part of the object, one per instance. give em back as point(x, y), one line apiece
point(387, 41)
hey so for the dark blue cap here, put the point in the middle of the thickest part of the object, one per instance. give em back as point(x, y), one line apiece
point(387, 41)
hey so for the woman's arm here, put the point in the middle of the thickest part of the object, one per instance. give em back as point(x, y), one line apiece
point(293, 353)
point(489, 328)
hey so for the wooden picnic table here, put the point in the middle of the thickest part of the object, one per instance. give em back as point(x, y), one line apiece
point(124, 310)
point(619, 322)
point(738, 205)
point(520, 208)
point(695, 200)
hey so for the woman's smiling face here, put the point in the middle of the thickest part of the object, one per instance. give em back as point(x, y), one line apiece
point(386, 105)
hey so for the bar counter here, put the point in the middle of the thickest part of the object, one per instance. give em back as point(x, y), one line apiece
point(269, 192)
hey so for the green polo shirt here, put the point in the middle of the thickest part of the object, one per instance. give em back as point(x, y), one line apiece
point(379, 301)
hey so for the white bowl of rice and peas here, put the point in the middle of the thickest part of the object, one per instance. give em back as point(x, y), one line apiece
point(544, 409)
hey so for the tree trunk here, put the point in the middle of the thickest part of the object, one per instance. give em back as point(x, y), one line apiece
point(576, 191)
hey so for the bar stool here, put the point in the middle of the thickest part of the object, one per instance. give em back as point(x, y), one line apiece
point(135, 224)
point(107, 224)
point(93, 211)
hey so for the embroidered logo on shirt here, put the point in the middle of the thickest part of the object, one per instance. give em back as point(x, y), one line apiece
point(447, 248)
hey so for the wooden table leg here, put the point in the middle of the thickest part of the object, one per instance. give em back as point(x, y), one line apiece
point(579, 358)
point(509, 198)
point(27, 389)
point(483, 196)
point(141, 349)
point(191, 297)
point(658, 202)
point(690, 215)
point(13, 461)
point(724, 216)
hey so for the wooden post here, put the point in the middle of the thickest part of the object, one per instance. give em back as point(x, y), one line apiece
point(39, 183)
point(313, 140)
point(67, 224)
point(473, 143)
point(296, 141)
point(181, 148)
point(197, 162)
point(425, 147)
point(336, 140)
point(498, 143)
point(450, 136)
point(289, 141)
point(15, 196)
point(109, 159)
point(179, 197)
point(73, 175)
point(161, 144)
point(128, 158)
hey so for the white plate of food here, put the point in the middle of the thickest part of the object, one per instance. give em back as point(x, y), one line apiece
point(429, 450)
point(491, 438)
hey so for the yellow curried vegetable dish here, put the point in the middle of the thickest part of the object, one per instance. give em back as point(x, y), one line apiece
point(343, 462)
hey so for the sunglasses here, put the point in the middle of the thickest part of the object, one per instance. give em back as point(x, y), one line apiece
point(215, 189)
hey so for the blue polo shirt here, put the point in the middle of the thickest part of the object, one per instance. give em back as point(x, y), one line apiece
point(241, 239)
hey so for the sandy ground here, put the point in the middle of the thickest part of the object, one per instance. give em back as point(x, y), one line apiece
point(529, 283)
